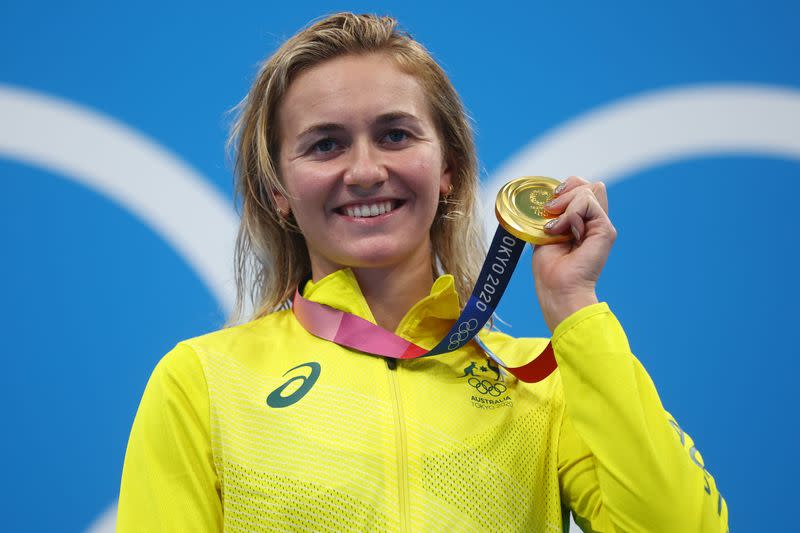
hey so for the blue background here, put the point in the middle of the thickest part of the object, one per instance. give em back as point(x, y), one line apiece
point(703, 276)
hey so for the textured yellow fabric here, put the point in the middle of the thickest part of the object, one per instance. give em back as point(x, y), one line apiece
point(169, 481)
point(264, 427)
point(625, 465)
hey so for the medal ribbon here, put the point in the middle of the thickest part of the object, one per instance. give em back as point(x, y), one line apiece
point(359, 334)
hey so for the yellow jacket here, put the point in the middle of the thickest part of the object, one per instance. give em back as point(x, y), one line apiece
point(266, 427)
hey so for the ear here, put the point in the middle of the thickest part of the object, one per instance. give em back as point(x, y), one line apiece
point(283, 204)
point(446, 180)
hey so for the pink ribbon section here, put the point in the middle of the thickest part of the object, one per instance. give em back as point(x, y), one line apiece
point(321, 320)
point(365, 336)
point(349, 330)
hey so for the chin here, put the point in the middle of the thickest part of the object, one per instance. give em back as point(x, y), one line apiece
point(379, 258)
point(376, 261)
point(384, 251)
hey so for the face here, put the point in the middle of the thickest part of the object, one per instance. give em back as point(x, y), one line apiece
point(361, 160)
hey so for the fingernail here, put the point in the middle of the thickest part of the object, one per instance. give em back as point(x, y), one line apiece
point(551, 204)
point(575, 233)
point(560, 188)
point(552, 223)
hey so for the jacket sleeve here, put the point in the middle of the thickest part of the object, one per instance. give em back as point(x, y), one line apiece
point(624, 463)
point(169, 482)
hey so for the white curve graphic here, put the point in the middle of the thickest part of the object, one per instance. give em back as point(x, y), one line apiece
point(109, 157)
point(659, 127)
point(112, 159)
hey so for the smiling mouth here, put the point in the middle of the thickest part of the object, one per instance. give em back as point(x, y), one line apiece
point(368, 210)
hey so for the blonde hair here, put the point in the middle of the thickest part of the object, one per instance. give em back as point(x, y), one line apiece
point(271, 254)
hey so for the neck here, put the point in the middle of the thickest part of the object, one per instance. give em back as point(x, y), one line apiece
point(391, 292)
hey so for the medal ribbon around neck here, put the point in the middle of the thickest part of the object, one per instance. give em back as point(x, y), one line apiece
point(520, 212)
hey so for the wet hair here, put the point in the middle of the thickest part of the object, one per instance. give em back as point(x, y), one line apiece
point(271, 256)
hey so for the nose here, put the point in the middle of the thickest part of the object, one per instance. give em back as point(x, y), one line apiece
point(365, 168)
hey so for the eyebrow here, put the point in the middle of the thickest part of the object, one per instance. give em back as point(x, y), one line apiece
point(395, 116)
point(327, 127)
point(331, 127)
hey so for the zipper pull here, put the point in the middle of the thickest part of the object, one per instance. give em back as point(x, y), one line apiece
point(391, 363)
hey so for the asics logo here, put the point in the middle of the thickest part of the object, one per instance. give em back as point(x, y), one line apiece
point(277, 400)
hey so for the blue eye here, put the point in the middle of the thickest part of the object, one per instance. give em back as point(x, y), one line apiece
point(325, 145)
point(396, 136)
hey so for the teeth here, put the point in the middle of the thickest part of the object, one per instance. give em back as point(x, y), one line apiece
point(368, 210)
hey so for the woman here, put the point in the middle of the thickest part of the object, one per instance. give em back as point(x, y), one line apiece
point(357, 175)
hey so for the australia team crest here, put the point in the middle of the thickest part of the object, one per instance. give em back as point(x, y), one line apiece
point(487, 383)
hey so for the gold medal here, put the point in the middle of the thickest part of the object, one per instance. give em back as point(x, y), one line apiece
point(520, 209)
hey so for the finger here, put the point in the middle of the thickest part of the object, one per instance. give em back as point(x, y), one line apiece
point(569, 184)
point(582, 209)
point(599, 190)
point(559, 204)
point(577, 227)
point(569, 222)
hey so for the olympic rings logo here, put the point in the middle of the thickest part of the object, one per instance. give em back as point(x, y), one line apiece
point(463, 333)
point(485, 386)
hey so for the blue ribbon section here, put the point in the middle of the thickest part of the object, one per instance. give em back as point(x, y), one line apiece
point(492, 282)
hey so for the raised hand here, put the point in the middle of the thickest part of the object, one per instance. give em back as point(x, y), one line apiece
point(566, 273)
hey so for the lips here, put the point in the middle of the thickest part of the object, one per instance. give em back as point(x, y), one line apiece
point(369, 209)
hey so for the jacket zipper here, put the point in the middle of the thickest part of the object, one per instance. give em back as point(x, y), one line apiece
point(400, 441)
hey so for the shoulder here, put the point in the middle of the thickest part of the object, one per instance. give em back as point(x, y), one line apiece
point(241, 337)
point(188, 359)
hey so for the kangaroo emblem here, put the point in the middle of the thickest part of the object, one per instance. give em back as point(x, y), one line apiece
point(470, 370)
